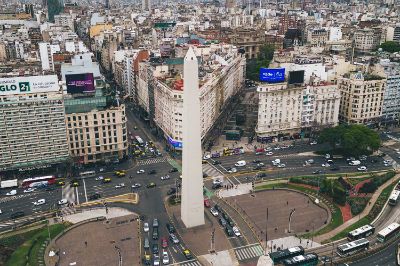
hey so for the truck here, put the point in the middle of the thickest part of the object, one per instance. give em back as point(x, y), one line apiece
point(9, 183)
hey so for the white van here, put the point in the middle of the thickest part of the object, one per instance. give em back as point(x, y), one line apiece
point(355, 162)
point(39, 202)
point(240, 163)
point(276, 162)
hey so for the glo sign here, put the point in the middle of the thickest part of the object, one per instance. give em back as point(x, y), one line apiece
point(272, 74)
point(174, 143)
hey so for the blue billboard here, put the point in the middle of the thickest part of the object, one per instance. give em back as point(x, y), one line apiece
point(176, 144)
point(272, 74)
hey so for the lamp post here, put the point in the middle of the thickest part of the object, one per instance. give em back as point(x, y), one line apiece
point(290, 218)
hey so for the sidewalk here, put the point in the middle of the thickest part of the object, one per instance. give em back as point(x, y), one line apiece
point(364, 213)
point(237, 190)
point(98, 212)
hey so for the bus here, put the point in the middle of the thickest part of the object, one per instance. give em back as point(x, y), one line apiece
point(310, 259)
point(87, 174)
point(398, 254)
point(361, 232)
point(139, 140)
point(394, 197)
point(38, 181)
point(281, 255)
point(352, 247)
point(388, 232)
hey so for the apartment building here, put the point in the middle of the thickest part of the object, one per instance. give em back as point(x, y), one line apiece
point(317, 37)
point(365, 40)
point(362, 97)
point(64, 20)
point(32, 126)
point(391, 98)
point(46, 51)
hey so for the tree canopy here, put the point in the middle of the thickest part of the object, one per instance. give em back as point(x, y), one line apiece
point(390, 46)
point(351, 140)
point(265, 56)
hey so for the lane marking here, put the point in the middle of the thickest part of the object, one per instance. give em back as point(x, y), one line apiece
point(84, 189)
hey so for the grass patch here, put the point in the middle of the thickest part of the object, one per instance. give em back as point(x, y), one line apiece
point(355, 181)
point(28, 252)
point(356, 225)
point(380, 202)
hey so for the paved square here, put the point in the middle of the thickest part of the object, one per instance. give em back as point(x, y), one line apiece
point(95, 243)
point(279, 204)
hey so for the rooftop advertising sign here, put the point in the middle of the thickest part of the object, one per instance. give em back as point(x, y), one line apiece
point(32, 84)
point(272, 74)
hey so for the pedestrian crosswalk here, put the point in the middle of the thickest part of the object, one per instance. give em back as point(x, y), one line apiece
point(248, 252)
point(152, 161)
point(211, 171)
point(190, 263)
point(67, 211)
point(68, 193)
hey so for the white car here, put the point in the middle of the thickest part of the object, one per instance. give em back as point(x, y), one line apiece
point(101, 170)
point(313, 143)
point(156, 260)
point(260, 164)
point(325, 165)
point(12, 193)
point(120, 185)
point(214, 212)
point(146, 227)
point(207, 156)
point(165, 258)
point(99, 178)
point(362, 168)
point(39, 202)
point(269, 153)
point(165, 177)
point(268, 149)
point(217, 181)
point(236, 231)
point(62, 201)
point(232, 170)
point(277, 148)
point(29, 190)
point(282, 165)
point(240, 163)
point(1, 212)
point(136, 185)
point(141, 171)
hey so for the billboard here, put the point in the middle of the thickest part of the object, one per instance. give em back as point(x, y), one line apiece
point(30, 84)
point(176, 144)
point(272, 74)
point(296, 77)
point(80, 83)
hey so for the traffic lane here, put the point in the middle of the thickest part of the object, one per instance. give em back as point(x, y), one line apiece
point(385, 257)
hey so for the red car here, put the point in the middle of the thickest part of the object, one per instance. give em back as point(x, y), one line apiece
point(164, 242)
point(207, 203)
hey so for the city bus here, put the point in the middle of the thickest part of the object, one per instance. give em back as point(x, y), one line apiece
point(352, 247)
point(388, 232)
point(398, 255)
point(139, 140)
point(87, 174)
point(281, 255)
point(310, 259)
point(394, 197)
point(361, 232)
point(38, 181)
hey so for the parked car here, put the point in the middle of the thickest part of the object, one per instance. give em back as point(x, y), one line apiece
point(214, 212)
point(170, 228)
point(155, 248)
point(173, 170)
point(165, 258)
point(236, 231)
point(173, 238)
point(171, 191)
point(155, 233)
point(207, 203)
point(229, 231)
point(164, 242)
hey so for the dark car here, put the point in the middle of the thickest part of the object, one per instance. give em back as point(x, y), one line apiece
point(170, 228)
point(316, 172)
point(216, 162)
point(222, 221)
point(256, 168)
point(224, 215)
point(205, 175)
point(155, 233)
point(230, 222)
point(259, 175)
point(152, 172)
point(256, 161)
point(151, 185)
point(173, 170)
point(171, 191)
point(16, 215)
point(229, 231)
point(95, 196)
point(155, 249)
point(216, 186)
point(217, 207)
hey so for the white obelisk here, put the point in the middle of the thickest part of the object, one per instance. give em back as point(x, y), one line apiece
point(192, 208)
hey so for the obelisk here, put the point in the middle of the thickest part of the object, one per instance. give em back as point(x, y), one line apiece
point(192, 207)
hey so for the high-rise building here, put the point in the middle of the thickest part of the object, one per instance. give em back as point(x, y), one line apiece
point(230, 3)
point(391, 98)
point(146, 5)
point(54, 7)
point(32, 123)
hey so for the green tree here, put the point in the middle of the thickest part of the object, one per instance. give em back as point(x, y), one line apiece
point(253, 66)
point(390, 46)
point(351, 140)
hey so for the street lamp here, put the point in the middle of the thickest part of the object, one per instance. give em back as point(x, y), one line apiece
point(290, 217)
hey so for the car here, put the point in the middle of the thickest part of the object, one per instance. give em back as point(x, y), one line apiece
point(260, 175)
point(260, 164)
point(232, 170)
point(230, 222)
point(187, 254)
point(156, 260)
point(147, 259)
point(218, 208)
point(214, 212)
point(207, 203)
point(216, 186)
point(207, 156)
point(171, 191)
point(259, 153)
point(173, 170)
point(106, 180)
point(62, 201)
point(310, 161)
point(155, 233)
point(256, 161)
point(363, 157)
point(1, 212)
point(140, 171)
point(164, 242)
point(173, 238)
point(325, 259)
point(152, 172)
point(11, 193)
point(276, 162)
point(16, 215)
point(165, 258)
point(120, 185)
point(136, 185)
point(146, 227)
point(236, 231)
point(269, 153)
point(101, 170)
point(60, 183)
point(217, 181)
point(350, 159)
point(327, 156)
point(277, 148)
point(316, 172)
point(362, 168)
point(165, 177)
point(170, 228)
point(229, 231)
point(216, 162)
point(313, 143)
point(95, 196)
point(222, 221)
point(29, 190)
point(281, 165)
point(155, 223)
point(39, 202)
point(151, 185)
point(99, 178)
point(268, 149)
point(325, 165)
point(240, 163)
point(204, 162)
point(257, 168)
point(154, 248)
